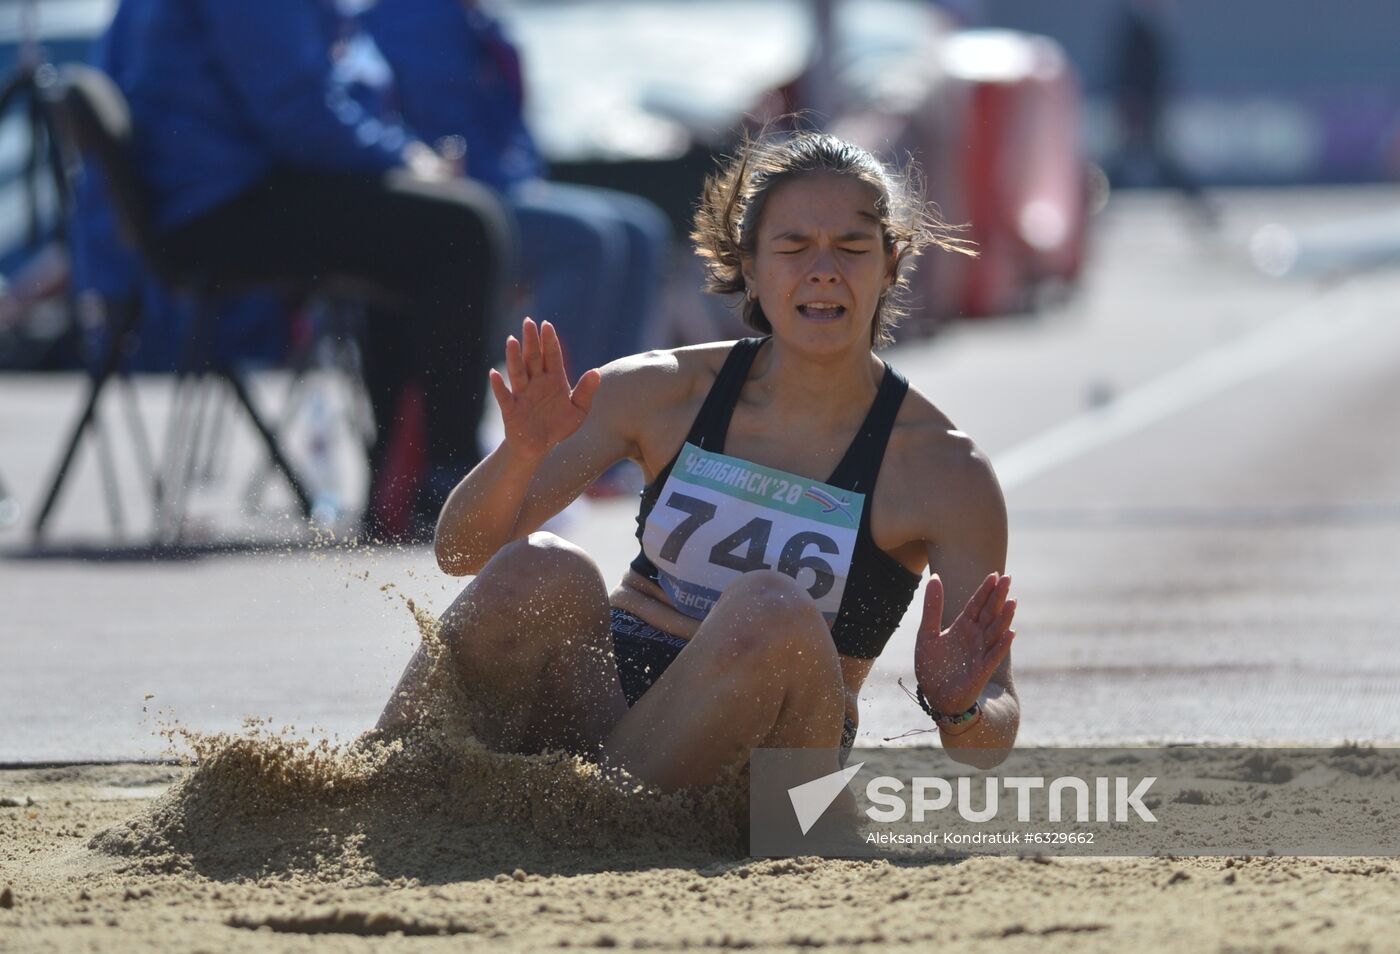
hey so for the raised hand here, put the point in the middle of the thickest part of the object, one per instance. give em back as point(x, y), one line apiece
point(538, 408)
point(954, 664)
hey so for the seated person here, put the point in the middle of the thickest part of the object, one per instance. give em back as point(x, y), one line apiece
point(592, 258)
point(262, 167)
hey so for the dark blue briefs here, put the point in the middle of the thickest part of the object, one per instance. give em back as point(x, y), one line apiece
point(643, 652)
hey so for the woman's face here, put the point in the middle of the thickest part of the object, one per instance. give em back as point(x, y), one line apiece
point(819, 265)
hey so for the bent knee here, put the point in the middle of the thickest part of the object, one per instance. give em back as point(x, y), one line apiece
point(539, 563)
point(526, 587)
point(770, 597)
point(768, 613)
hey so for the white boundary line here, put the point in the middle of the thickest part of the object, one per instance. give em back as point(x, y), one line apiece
point(1306, 330)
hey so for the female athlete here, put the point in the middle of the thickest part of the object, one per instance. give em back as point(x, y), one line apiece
point(797, 488)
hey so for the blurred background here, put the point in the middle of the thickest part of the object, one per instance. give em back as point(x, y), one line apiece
point(1022, 114)
point(1180, 206)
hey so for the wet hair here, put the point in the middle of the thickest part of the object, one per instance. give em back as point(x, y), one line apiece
point(733, 200)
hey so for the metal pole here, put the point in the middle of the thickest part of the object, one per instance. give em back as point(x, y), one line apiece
point(820, 89)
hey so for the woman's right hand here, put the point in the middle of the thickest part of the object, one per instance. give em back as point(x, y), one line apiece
point(538, 408)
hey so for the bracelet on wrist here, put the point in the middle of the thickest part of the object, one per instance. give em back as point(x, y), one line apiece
point(942, 719)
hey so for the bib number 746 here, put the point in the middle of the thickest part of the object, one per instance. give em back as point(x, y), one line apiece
point(746, 549)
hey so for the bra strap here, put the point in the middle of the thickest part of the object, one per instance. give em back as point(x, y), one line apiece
point(712, 423)
point(860, 467)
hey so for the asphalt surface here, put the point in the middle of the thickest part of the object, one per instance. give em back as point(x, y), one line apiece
point(1200, 460)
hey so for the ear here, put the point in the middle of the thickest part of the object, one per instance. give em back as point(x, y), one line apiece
point(747, 270)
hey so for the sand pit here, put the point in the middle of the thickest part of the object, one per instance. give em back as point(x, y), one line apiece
point(425, 839)
point(275, 845)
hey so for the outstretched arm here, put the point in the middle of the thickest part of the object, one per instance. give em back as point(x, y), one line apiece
point(969, 662)
point(963, 651)
point(553, 446)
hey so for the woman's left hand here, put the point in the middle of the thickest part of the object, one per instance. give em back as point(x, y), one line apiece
point(953, 665)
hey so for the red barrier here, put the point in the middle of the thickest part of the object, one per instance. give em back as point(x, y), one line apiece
point(996, 131)
point(1021, 170)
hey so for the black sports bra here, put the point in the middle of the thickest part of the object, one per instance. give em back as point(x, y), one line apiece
point(879, 588)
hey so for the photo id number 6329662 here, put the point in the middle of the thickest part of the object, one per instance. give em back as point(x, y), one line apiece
point(1059, 837)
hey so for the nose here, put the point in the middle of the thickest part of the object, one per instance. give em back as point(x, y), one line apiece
point(823, 268)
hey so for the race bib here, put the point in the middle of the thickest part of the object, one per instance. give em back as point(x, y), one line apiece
point(718, 517)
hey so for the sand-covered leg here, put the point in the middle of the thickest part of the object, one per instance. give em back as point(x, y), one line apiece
point(760, 671)
point(529, 647)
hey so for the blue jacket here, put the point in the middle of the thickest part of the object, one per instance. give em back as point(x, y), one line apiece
point(222, 91)
point(456, 73)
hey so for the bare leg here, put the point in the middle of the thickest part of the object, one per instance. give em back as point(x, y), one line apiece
point(530, 644)
point(760, 671)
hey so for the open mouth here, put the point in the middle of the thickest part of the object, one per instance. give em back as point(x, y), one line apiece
point(821, 311)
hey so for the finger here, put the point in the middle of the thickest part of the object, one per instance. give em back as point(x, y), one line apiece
point(933, 604)
point(553, 356)
point(995, 602)
point(534, 354)
point(974, 607)
point(504, 399)
point(994, 656)
point(587, 386)
point(515, 365)
point(549, 350)
point(1003, 621)
point(998, 627)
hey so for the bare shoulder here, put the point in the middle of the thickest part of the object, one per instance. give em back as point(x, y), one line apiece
point(665, 370)
point(937, 473)
point(646, 396)
point(659, 380)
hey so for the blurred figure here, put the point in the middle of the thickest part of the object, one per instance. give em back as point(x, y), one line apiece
point(1144, 88)
point(965, 14)
point(592, 258)
point(261, 166)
